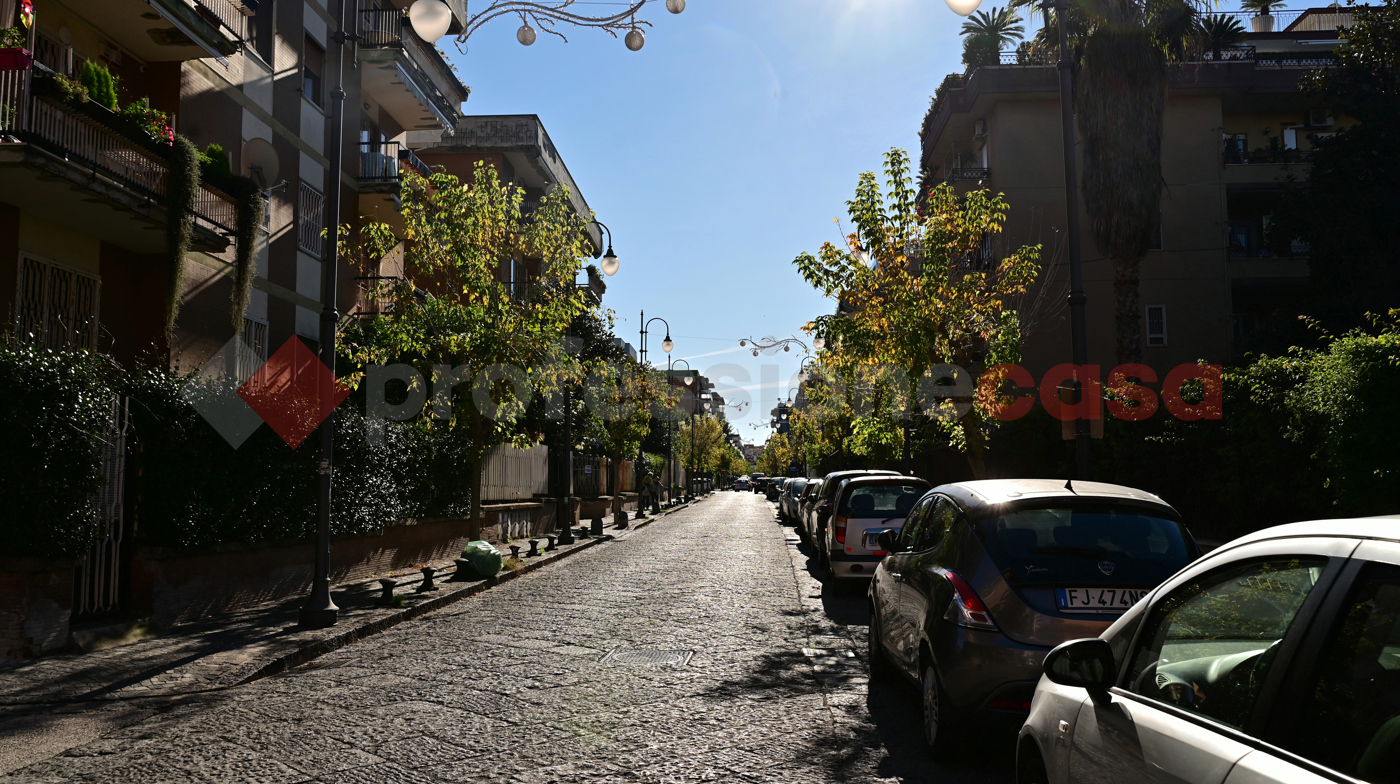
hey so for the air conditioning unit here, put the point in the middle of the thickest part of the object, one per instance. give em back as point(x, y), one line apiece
point(1319, 119)
point(979, 129)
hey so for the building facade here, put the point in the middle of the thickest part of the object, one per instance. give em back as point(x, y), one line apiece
point(1236, 129)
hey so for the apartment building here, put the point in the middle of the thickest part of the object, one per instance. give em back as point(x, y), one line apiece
point(1236, 129)
point(84, 193)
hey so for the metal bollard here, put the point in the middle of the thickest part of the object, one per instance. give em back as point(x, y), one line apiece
point(427, 584)
point(534, 548)
point(596, 526)
point(515, 551)
point(550, 546)
point(388, 584)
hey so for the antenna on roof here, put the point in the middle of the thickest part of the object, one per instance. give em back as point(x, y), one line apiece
point(1069, 485)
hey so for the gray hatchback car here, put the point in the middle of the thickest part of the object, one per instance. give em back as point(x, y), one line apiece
point(986, 577)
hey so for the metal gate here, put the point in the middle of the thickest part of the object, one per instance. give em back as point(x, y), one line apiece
point(99, 580)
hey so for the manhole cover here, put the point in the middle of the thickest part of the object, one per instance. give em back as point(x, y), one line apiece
point(648, 658)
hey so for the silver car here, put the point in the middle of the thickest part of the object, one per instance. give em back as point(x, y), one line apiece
point(1276, 658)
point(986, 577)
point(863, 507)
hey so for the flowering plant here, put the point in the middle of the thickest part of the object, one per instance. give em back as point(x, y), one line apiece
point(153, 122)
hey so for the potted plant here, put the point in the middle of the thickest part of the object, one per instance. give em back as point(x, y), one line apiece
point(13, 55)
point(1263, 21)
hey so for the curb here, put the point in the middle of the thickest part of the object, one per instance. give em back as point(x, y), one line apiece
point(315, 650)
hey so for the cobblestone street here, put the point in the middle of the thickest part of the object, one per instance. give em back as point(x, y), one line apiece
point(700, 648)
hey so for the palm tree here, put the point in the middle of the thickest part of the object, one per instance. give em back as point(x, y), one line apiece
point(1218, 31)
point(1001, 25)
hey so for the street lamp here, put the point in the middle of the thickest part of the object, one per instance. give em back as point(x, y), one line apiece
point(666, 345)
point(671, 428)
point(610, 261)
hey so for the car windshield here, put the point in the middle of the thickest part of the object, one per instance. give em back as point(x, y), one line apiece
point(894, 500)
point(1095, 543)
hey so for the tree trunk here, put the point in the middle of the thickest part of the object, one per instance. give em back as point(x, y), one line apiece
point(976, 446)
point(1127, 319)
point(474, 524)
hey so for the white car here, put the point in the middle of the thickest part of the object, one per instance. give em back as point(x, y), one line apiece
point(1275, 658)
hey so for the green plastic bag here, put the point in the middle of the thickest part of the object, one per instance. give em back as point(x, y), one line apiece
point(482, 559)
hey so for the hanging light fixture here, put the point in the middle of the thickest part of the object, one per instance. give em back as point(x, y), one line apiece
point(430, 19)
point(819, 343)
point(667, 345)
point(963, 7)
point(525, 35)
point(675, 6)
point(635, 39)
point(610, 263)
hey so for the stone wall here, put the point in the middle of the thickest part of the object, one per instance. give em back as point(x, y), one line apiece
point(36, 602)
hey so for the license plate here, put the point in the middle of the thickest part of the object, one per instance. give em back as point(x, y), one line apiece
point(872, 536)
point(1098, 600)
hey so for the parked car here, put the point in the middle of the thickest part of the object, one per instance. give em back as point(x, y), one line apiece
point(759, 482)
point(814, 529)
point(742, 483)
point(865, 506)
point(787, 502)
point(1276, 658)
point(986, 577)
point(806, 504)
point(775, 487)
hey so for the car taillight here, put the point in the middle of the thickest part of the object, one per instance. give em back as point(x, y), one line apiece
point(966, 608)
point(840, 529)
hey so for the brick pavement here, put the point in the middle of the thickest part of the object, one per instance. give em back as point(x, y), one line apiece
point(558, 693)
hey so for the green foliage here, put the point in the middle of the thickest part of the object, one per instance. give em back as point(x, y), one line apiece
point(980, 50)
point(251, 206)
point(13, 38)
point(151, 122)
point(55, 411)
point(456, 235)
point(180, 192)
point(1308, 435)
point(215, 161)
point(1345, 211)
point(101, 85)
point(1258, 6)
point(949, 82)
point(1219, 30)
point(1002, 25)
point(70, 90)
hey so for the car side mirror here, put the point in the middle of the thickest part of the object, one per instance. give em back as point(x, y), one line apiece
point(1086, 664)
point(889, 540)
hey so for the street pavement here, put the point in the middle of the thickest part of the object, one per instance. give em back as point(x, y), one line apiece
point(700, 648)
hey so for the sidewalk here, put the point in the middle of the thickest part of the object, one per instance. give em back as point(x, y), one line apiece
point(107, 689)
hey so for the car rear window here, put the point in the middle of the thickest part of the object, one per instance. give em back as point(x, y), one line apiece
point(1089, 543)
point(880, 500)
point(797, 485)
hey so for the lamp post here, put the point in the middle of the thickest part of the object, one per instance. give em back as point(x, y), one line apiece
point(671, 425)
point(610, 260)
point(666, 345)
point(1079, 341)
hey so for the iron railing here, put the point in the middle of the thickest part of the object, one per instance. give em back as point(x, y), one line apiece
point(311, 220)
point(81, 137)
point(381, 27)
point(229, 14)
point(386, 161)
point(969, 174)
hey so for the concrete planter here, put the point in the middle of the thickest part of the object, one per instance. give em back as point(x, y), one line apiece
point(1263, 23)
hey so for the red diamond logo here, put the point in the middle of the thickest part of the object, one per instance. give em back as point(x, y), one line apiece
point(293, 392)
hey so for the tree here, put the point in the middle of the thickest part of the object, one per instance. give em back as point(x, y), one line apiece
point(1218, 31)
point(1123, 48)
point(1001, 26)
point(1346, 210)
point(700, 451)
point(620, 398)
point(926, 296)
point(777, 456)
point(457, 323)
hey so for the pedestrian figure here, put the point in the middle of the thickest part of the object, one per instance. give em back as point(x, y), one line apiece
point(654, 490)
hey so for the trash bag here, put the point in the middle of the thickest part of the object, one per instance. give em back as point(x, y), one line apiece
point(482, 561)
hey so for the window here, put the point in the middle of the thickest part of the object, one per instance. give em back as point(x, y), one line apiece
point(1236, 148)
point(1156, 325)
point(311, 221)
point(914, 522)
point(880, 501)
point(1207, 646)
point(260, 30)
point(313, 67)
point(253, 353)
point(1351, 722)
point(1241, 240)
point(57, 305)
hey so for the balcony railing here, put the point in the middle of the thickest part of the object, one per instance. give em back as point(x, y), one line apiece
point(81, 137)
point(1234, 155)
point(969, 174)
point(230, 14)
point(386, 162)
point(385, 28)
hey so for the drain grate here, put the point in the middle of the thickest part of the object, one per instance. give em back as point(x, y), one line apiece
point(647, 658)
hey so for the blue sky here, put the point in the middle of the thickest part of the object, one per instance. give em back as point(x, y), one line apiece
point(722, 150)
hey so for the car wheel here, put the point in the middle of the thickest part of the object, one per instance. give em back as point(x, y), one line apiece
point(875, 651)
point(938, 720)
point(1030, 768)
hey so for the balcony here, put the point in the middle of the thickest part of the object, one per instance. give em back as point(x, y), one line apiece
point(383, 164)
point(969, 173)
point(406, 76)
point(60, 155)
point(180, 29)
